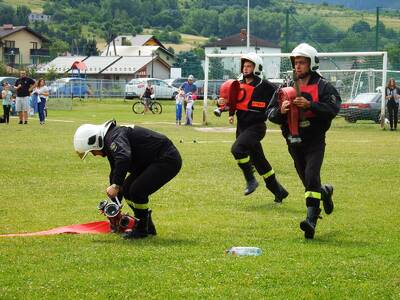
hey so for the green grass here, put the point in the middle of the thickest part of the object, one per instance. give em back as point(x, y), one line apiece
point(198, 215)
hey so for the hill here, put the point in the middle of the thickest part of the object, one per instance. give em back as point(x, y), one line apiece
point(34, 5)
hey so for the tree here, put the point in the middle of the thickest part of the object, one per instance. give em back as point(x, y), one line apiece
point(7, 14)
point(203, 21)
point(230, 21)
point(190, 64)
point(360, 26)
point(393, 50)
point(216, 68)
point(57, 47)
point(22, 15)
point(51, 74)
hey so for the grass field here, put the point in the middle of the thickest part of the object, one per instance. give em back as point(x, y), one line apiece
point(202, 212)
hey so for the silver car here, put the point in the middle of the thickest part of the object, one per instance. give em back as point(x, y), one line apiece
point(365, 106)
point(136, 87)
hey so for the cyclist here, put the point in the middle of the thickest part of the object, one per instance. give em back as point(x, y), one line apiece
point(147, 95)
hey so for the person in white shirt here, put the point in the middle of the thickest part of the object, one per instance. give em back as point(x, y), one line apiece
point(189, 108)
point(179, 99)
point(43, 93)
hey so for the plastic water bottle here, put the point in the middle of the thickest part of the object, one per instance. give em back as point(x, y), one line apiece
point(244, 251)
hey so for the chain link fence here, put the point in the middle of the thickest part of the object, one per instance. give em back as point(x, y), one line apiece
point(86, 88)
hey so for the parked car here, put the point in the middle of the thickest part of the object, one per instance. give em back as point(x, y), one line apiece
point(214, 86)
point(70, 87)
point(136, 87)
point(176, 82)
point(365, 106)
point(11, 82)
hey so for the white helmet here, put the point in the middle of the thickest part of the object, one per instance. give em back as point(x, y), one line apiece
point(255, 59)
point(305, 50)
point(190, 77)
point(90, 137)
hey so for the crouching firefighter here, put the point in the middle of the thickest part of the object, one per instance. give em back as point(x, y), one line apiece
point(249, 98)
point(304, 120)
point(149, 157)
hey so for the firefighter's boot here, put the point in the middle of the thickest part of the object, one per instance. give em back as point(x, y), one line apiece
point(310, 223)
point(151, 229)
point(326, 193)
point(276, 188)
point(251, 182)
point(141, 228)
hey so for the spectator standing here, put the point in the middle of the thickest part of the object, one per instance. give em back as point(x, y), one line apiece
point(189, 87)
point(392, 94)
point(43, 93)
point(189, 109)
point(23, 86)
point(179, 100)
point(6, 95)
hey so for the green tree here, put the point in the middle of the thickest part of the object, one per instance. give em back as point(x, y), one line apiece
point(203, 21)
point(22, 14)
point(7, 14)
point(230, 21)
point(51, 74)
point(190, 63)
point(360, 26)
point(58, 47)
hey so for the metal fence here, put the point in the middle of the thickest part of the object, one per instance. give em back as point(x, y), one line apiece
point(86, 88)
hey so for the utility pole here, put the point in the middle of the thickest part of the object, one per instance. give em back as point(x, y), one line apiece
point(377, 29)
point(248, 25)
point(287, 32)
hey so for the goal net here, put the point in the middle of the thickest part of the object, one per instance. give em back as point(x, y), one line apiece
point(360, 78)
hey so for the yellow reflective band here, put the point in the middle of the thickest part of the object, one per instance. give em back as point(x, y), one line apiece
point(131, 203)
point(314, 195)
point(243, 160)
point(268, 174)
point(141, 206)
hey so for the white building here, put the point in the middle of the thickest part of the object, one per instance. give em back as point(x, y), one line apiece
point(111, 67)
point(153, 51)
point(35, 17)
point(236, 44)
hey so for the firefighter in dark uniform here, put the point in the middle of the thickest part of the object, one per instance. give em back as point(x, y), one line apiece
point(251, 128)
point(149, 157)
point(318, 104)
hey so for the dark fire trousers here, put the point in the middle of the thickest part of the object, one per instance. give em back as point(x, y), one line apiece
point(308, 158)
point(139, 186)
point(248, 145)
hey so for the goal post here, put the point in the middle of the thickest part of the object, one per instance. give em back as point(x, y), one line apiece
point(350, 72)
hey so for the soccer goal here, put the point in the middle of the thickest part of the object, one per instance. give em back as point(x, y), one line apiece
point(352, 73)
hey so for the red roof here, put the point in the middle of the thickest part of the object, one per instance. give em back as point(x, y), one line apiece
point(79, 65)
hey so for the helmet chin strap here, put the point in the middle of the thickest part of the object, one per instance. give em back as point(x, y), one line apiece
point(304, 75)
point(251, 75)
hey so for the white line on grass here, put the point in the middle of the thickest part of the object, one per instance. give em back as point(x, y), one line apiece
point(47, 119)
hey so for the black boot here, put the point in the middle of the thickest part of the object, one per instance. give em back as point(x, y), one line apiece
point(310, 223)
point(141, 228)
point(276, 188)
point(326, 193)
point(251, 182)
point(151, 228)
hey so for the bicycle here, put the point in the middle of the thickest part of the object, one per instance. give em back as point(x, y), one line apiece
point(154, 106)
